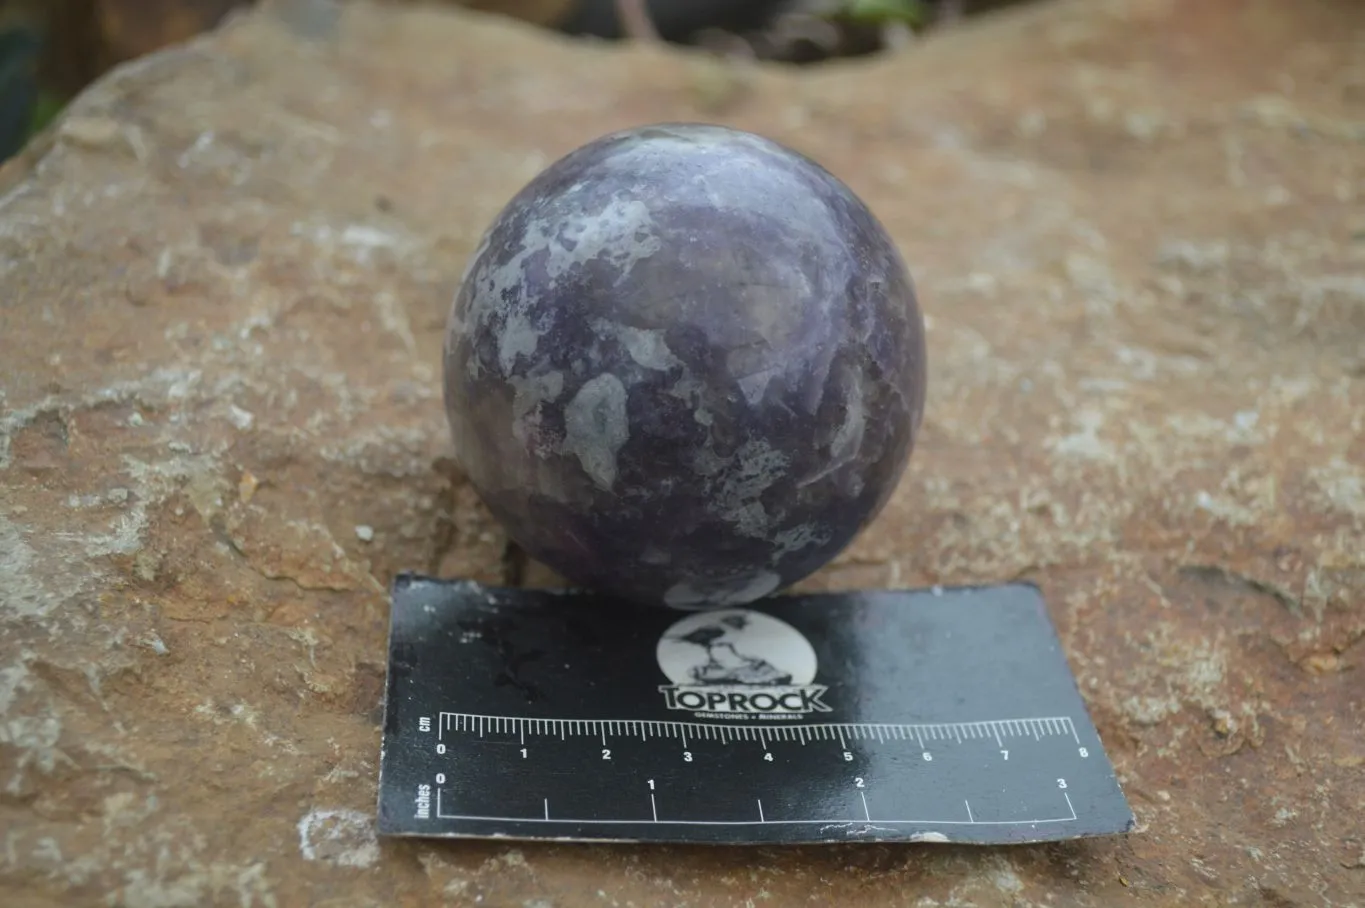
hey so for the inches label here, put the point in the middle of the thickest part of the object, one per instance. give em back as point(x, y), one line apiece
point(926, 715)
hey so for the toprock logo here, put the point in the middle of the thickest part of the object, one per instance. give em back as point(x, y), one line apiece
point(739, 664)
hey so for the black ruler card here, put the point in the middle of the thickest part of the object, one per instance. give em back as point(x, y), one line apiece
point(943, 715)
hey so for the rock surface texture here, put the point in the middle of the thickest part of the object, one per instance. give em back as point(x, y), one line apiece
point(1137, 234)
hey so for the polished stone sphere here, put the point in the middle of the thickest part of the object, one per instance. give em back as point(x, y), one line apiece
point(685, 366)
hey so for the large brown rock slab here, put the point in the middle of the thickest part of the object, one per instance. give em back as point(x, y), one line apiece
point(1137, 231)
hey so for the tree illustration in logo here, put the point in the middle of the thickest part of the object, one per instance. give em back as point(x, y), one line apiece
point(724, 663)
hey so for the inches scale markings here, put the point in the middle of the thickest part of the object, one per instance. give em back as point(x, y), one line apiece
point(998, 729)
point(755, 725)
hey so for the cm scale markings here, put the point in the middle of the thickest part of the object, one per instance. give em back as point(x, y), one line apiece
point(456, 728)
point(999, 729)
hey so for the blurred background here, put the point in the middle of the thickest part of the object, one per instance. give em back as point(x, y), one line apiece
point(51, 49)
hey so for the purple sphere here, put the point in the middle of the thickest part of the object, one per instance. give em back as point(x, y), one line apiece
point(685, 366)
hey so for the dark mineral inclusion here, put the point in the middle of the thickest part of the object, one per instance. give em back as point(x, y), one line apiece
point(685, 366)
